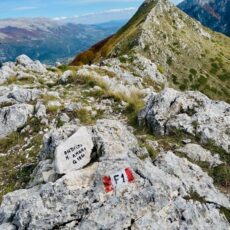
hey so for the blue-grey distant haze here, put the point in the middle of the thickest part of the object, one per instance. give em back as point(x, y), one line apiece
point(82, 11)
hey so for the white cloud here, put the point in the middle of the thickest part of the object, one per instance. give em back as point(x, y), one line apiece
point(120, 10)
point(25, 8)
point(60, 18)
point(103, 16)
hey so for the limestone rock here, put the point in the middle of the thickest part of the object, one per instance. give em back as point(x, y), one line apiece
point(23, 95)
point(55, 137)
point(145, 68)
point(43, 173)
point(4, 100)
point(192, 177)
point(14, 117)
point(65, 76)
point(113, 139)
point(197, 153)
point(64, 118)
point(5, 73)
point(8, 226)
point(29, 64)
point(40, 110)
point(17, 94)
point(155, 198)
point(191, 112)
point(70, 107)
point(74, 153)
point(158, 198)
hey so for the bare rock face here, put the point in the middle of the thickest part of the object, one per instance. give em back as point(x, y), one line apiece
point(191, 112)
point(198, 153)
point(5, 73)
point(14, 117)
point(10, 95)
point(23, 95)
point(155, 196)
point(29, 64)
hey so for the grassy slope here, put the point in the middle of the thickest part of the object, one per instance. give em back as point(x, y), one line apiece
point(104, 48)
point(188, 59)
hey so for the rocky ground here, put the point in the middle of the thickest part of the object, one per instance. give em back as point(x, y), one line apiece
point(176, 144)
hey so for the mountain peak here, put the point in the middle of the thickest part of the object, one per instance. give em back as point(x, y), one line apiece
point(158, 7)
point(165, 35)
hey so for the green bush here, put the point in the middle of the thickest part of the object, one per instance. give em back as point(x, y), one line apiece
point(226, 212)
point(221, 175)
point(63, 67)
point(224, 77)
point(196, 197)
point(122, 59)
point(193, 71)
point(169, 61)
point(202, 80)
point(174, 79)
point(183, 87)
point(161, 69)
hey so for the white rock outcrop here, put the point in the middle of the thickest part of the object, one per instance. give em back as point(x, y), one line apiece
point(26, 62)
point(191, 112)
point(198, 153)
point(14, 117)
point(5, 73)
point(16, 94)
point(23, 95)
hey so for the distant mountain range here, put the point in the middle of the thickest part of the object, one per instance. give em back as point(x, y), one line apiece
point(49, 40)
point(214, 14)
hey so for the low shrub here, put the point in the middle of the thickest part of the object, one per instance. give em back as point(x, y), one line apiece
point(161, 69)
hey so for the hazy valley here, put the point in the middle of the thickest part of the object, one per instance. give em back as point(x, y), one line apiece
point(48, 40)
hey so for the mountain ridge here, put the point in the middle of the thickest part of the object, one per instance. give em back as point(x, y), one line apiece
point(168, 37)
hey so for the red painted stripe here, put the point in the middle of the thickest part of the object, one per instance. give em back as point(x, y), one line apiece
point(107, 183)
point(129, 174)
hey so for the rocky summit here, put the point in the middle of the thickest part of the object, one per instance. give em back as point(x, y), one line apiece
point(110, 145)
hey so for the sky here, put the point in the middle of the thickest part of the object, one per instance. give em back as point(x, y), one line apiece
point(79, 9)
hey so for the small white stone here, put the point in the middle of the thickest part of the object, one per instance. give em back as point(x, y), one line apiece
point(187, 141)
point(54, 104)
point(64, 118)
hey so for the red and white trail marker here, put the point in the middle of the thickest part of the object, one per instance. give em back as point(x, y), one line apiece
point(116, 180)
